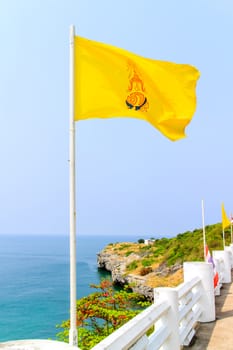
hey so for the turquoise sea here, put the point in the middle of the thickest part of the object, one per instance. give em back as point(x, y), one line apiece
point(34, 281)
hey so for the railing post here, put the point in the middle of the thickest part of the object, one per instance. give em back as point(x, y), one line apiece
point(170, 296)
point(205, 272)
point(225, 256)
point(229, 250)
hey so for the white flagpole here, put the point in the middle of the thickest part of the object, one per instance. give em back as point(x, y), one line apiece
point(231, 227)
point(203, 226)
point(231, 232)
point(73, 328)
point(223, 238)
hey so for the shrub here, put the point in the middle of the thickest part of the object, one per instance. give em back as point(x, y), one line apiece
point(147, 262)
point(128, 252)
point(101, 313)
point(145, 270)
point(124, 246)
point(133, 265)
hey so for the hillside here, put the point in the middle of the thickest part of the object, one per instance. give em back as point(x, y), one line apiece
point(160, 263)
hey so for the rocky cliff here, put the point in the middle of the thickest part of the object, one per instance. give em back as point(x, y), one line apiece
point(118, 257)
point(118, 267)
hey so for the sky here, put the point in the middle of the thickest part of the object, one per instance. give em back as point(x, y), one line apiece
point(130, 178)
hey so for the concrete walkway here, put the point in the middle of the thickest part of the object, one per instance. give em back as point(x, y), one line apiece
point(217, 335)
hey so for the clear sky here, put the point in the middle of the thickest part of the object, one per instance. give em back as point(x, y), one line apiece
point(130, 178)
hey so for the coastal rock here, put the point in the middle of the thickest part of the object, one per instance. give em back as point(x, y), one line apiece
point(117, 266)
point(140, 266)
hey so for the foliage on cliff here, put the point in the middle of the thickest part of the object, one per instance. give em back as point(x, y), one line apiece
point(161, 261)
point(101, 313)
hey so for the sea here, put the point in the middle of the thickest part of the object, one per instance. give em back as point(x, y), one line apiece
point(34, 281)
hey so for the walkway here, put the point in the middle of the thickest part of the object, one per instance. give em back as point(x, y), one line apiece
point(217, 335)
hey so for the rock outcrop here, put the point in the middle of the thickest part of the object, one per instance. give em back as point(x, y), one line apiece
point(117, 259)
point(117, 266)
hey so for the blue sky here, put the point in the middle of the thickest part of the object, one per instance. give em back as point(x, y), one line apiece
point(130, 178)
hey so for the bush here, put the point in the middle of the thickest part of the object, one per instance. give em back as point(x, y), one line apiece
point(128, 252)
point(145, 270)
point(147, 262)
point(101, 313)
point(124, 246)
point(133, 265)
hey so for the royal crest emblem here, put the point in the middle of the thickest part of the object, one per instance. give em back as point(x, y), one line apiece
point(136, 99)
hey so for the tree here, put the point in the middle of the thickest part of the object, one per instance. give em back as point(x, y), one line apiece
point(141, 240)
point(102, 312)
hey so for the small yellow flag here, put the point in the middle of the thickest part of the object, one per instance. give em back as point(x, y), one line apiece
point(112, 82)
point(225, 221)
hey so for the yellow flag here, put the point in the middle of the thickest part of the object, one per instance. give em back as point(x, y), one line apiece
point(112, 82)
point(225, 221)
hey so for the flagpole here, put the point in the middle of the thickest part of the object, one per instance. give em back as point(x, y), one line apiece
point(231, 232)
point(203, 226)
point(223, 238)
point(73, 328)
point(231, 227)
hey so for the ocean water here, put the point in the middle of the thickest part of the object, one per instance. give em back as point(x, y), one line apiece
point(34, 281)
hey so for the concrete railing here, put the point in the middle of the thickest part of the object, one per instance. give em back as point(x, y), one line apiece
point(170, 322)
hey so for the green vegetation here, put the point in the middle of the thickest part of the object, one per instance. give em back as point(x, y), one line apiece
point(147, 262)
point(132, 266)
point(128, 252)
point(161, 261)
point(101, 313)
point(124, 246)
point(188, 246)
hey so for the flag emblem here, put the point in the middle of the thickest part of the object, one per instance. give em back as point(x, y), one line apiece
point(136, 99)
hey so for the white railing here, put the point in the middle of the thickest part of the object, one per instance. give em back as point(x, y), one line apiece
point(172, 319)
point(170, 322)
